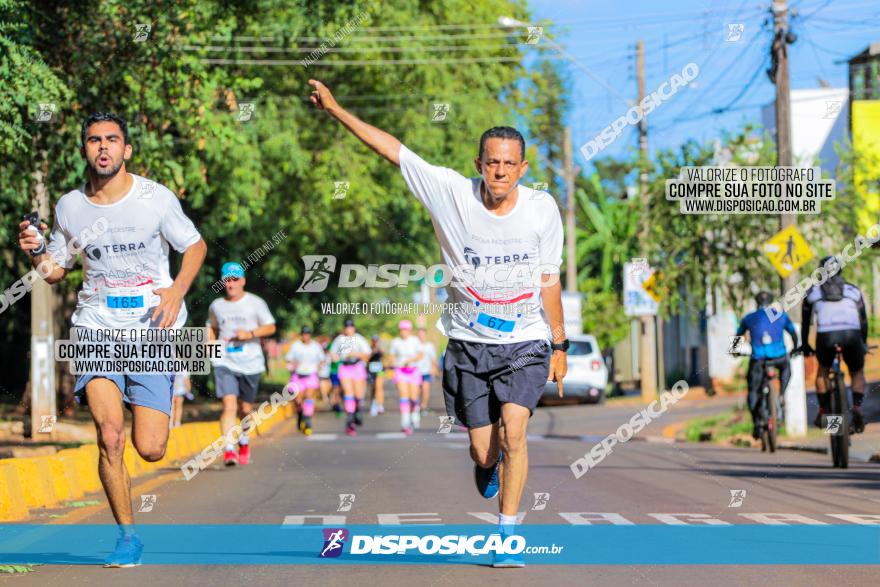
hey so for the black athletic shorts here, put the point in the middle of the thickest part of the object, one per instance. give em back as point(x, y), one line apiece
point(851, 343)
point(479, 377)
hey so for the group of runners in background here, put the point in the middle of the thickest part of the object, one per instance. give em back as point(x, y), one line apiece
point(341, 371)
point(338, 372)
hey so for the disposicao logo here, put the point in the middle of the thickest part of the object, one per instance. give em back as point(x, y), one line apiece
point(334, 540)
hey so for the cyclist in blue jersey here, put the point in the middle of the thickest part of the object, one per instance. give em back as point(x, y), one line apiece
point(768, 348)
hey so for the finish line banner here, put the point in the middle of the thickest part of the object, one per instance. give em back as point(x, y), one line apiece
point(250, 544)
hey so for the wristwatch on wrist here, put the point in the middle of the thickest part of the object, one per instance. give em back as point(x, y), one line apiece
point(560, 346)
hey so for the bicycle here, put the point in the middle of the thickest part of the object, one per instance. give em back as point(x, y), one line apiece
point(840, 436)
point(770, 406)
point(842, 423)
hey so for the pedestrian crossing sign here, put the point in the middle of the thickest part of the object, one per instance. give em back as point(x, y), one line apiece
point(650, 287)
point(787, 250)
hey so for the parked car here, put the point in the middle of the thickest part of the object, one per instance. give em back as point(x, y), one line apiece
point(587, 373)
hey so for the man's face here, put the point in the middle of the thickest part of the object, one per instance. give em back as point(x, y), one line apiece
point(501, 165)
point(234, 286)
point(306, 337)
point(348, 331)
point(105, 150)
point(405, 332)
point(422, 335)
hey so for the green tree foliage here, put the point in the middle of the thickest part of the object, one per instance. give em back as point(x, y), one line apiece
point(696, 253)
point(242, 180)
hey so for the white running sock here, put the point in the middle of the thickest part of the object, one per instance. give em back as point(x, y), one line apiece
point(506, 524)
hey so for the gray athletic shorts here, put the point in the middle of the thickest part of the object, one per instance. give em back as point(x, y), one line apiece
point(242, 386)
point(479, 377)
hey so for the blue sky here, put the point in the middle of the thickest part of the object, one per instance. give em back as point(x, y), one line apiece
point(602, 36)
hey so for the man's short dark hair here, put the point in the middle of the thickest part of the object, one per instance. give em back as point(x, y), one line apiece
point(104, 117)
point(503, 132)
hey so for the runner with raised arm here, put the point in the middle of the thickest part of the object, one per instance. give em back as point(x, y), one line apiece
point(499, 355)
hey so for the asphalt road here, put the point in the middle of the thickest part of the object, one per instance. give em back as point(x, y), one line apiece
point(429, 474)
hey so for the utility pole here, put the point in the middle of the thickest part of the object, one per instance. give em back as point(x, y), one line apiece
point(648, 341)
point(568, 174)
point(42, 383)
point(779, 56)
point(795, 393)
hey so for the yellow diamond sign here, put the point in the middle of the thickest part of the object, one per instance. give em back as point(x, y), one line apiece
point(650, 287)
point(787, 250)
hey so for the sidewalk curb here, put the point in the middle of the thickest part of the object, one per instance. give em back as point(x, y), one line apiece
point(860, 457)
point(671, 431)
point(30, 483)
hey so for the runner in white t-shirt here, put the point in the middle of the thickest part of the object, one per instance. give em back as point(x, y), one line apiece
point(131, 222)
point(182, 388)
point(503, 243)
point(406, 352)
point(352, 351)
point(304, 360)
point(427, 366)
point(240, 319)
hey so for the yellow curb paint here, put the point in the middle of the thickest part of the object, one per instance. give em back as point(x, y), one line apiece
point(149, 485)
point(86, 471)
point(38, 490)
point(13, 506)
point(82, 513)
point(672, 430)
point(49, 481)
point(71, 474)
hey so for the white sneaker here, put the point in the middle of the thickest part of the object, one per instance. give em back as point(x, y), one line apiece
point(374, 409)
point(417, 419)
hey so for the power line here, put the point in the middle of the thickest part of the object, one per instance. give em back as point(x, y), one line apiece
point(307, 50)
point(598, 21)
point(337, 63)
point(367, 39)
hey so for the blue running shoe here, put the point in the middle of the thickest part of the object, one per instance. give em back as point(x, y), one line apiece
point(127, 554)
point(487, 479)
point(507, 561)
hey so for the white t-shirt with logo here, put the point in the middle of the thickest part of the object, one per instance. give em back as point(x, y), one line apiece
point(128, 260)
point(403, 350)
point(427, 360)
point(500, 302)
point(307, 356)
point(247, 313)
point(347, 346)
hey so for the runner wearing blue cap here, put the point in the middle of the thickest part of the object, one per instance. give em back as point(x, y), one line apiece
point(240, 320)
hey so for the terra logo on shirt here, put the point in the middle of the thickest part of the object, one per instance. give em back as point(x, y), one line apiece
point(122, 248)
point(475, 259)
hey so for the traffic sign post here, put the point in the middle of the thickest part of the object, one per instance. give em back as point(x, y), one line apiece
point(787, 250)
point(796, 396)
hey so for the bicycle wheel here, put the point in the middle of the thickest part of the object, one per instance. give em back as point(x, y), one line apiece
point(843, 455)
point(765, 440)
point(773, 421)
point(840, 439)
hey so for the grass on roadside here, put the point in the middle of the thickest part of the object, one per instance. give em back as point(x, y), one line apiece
point(16, 569)
point(720, 427)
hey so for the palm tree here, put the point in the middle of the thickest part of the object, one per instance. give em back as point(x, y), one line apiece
point(610, 234)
